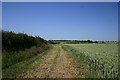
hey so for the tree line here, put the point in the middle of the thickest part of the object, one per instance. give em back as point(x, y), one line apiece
point(70, 41)
point(76, 41)
point(12, 41)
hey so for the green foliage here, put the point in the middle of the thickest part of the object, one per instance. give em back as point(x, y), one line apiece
point(102, 59)
point(12, 41)
point(19, 47)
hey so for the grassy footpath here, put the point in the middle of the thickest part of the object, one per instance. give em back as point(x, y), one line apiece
point(58, 63)
point(20, 67)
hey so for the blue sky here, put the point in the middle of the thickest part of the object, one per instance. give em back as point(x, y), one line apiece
point(68, 20)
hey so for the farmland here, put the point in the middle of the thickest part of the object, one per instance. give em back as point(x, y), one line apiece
point(69, 61)
point(102, 59)
point(26, 56)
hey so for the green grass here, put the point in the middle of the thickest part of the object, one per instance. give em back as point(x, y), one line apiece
point(101, 58)
point(15, 70)
point(10, 58)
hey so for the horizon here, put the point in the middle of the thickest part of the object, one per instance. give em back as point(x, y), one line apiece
point(96, 21)
point(60, 39)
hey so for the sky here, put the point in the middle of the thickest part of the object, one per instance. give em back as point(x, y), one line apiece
point(60, 0)
point(62, 20)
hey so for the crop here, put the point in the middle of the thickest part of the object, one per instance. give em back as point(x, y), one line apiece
point(102, 59)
